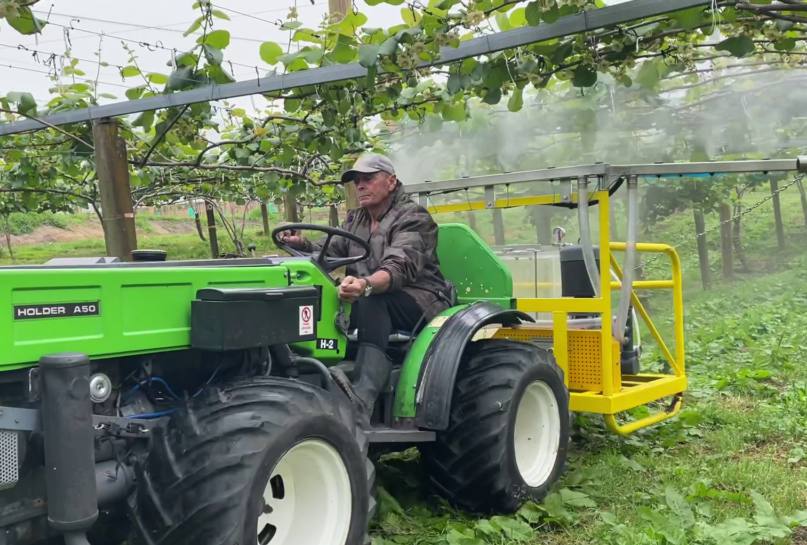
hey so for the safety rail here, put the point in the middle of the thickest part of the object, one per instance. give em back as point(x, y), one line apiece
point(676, 358)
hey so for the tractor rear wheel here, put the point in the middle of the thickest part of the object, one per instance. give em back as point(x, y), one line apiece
point(509, 429)
point(268, 461)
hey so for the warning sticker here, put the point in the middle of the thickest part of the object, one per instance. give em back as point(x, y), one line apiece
point(306, 320)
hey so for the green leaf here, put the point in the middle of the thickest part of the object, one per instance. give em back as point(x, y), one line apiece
point(291, 25)
point(680, 507)
point(180, 78)
point(454, 83)
point(270, 51)
point(25, 102)
point(518, 17)
point(156, 78)
point(553, 505)
point(516, 100)
point(129, 71)
point(135, 92)
point(25, 22)
point(368, 55)
point(650, 73)
point(669, 527)
point(689, 18)
point(220, 14)
point(533, 13)
point(454, 112)
point(785, 44)
point(219, 74)
point(350, 24)
point(739, 46)
point(410, 16)
point(492, 96)
point(576, 499)
point(585, 75)
point(389, 46)
point(551, 15)
point(213, 55)
point(503, 21)
point(145, 120)
point(218, 39)
point(344, 52)
point(306, 35)
point(196, 25)
point(512, 528)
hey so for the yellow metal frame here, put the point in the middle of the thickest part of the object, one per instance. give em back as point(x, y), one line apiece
point(616, 393)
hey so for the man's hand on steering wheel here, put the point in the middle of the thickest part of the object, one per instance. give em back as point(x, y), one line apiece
point(290, 243)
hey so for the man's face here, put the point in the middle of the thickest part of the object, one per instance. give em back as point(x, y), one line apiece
point(374, 188)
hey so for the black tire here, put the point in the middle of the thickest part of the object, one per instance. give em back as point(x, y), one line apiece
point(204, 479)
point(473, 463)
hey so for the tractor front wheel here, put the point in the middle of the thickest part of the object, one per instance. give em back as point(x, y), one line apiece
point(509, 429)
point(267, 461)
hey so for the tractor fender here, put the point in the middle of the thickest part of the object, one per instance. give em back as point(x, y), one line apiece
point(444, 356)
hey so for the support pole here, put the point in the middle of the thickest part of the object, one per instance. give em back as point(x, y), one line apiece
point(777, 214)
point(337, 9)
point(210, 209)
point(803, 200)
point(498, 227)
point(333, 216)
point(265, 218)
point(703, 249)
point(726, 241)
point(290, 205)
point(113, 184)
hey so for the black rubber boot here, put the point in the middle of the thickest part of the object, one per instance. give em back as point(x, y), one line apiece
point(372, 373)
point(373, 368)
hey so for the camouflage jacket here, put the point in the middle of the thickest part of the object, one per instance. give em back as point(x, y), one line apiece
point(404, 245)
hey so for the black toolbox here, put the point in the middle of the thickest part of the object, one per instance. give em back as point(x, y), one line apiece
point(234, 319)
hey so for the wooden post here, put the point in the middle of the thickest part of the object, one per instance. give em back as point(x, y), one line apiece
point(703, 250)
point(725, 241)
point(777, 214)
point(290, 205)
point(265, 218)
point(112, 166)
point(337, 9)
point(210, 210)
point(803, 200)
point(333, 216)
point(498, 227)
point(542, 219)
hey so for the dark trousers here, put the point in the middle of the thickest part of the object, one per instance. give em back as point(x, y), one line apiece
point(377, 316)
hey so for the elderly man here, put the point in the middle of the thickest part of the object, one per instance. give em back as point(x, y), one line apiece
point(400, 285)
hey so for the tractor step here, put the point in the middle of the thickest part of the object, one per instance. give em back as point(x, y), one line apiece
point(392, 435)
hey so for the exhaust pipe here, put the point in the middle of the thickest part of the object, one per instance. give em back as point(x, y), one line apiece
point(69, 445)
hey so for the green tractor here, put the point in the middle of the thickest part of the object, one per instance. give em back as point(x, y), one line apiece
point(192, 402)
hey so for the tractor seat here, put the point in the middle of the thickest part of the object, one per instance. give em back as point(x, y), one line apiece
point(396, 337)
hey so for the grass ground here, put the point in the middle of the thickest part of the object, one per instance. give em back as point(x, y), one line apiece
point(732, 468)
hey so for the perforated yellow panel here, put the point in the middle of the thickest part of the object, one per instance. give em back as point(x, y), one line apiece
point(585, 362)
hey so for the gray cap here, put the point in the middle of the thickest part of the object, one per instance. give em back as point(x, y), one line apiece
point(367, 163)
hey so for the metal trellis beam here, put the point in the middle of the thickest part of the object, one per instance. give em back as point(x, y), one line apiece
point(572, 24)
point(611, 173)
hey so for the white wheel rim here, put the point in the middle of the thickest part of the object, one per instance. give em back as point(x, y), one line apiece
point(307, 499)
point(536, 436)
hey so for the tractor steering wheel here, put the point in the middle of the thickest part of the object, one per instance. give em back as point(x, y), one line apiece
point(324, 261)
